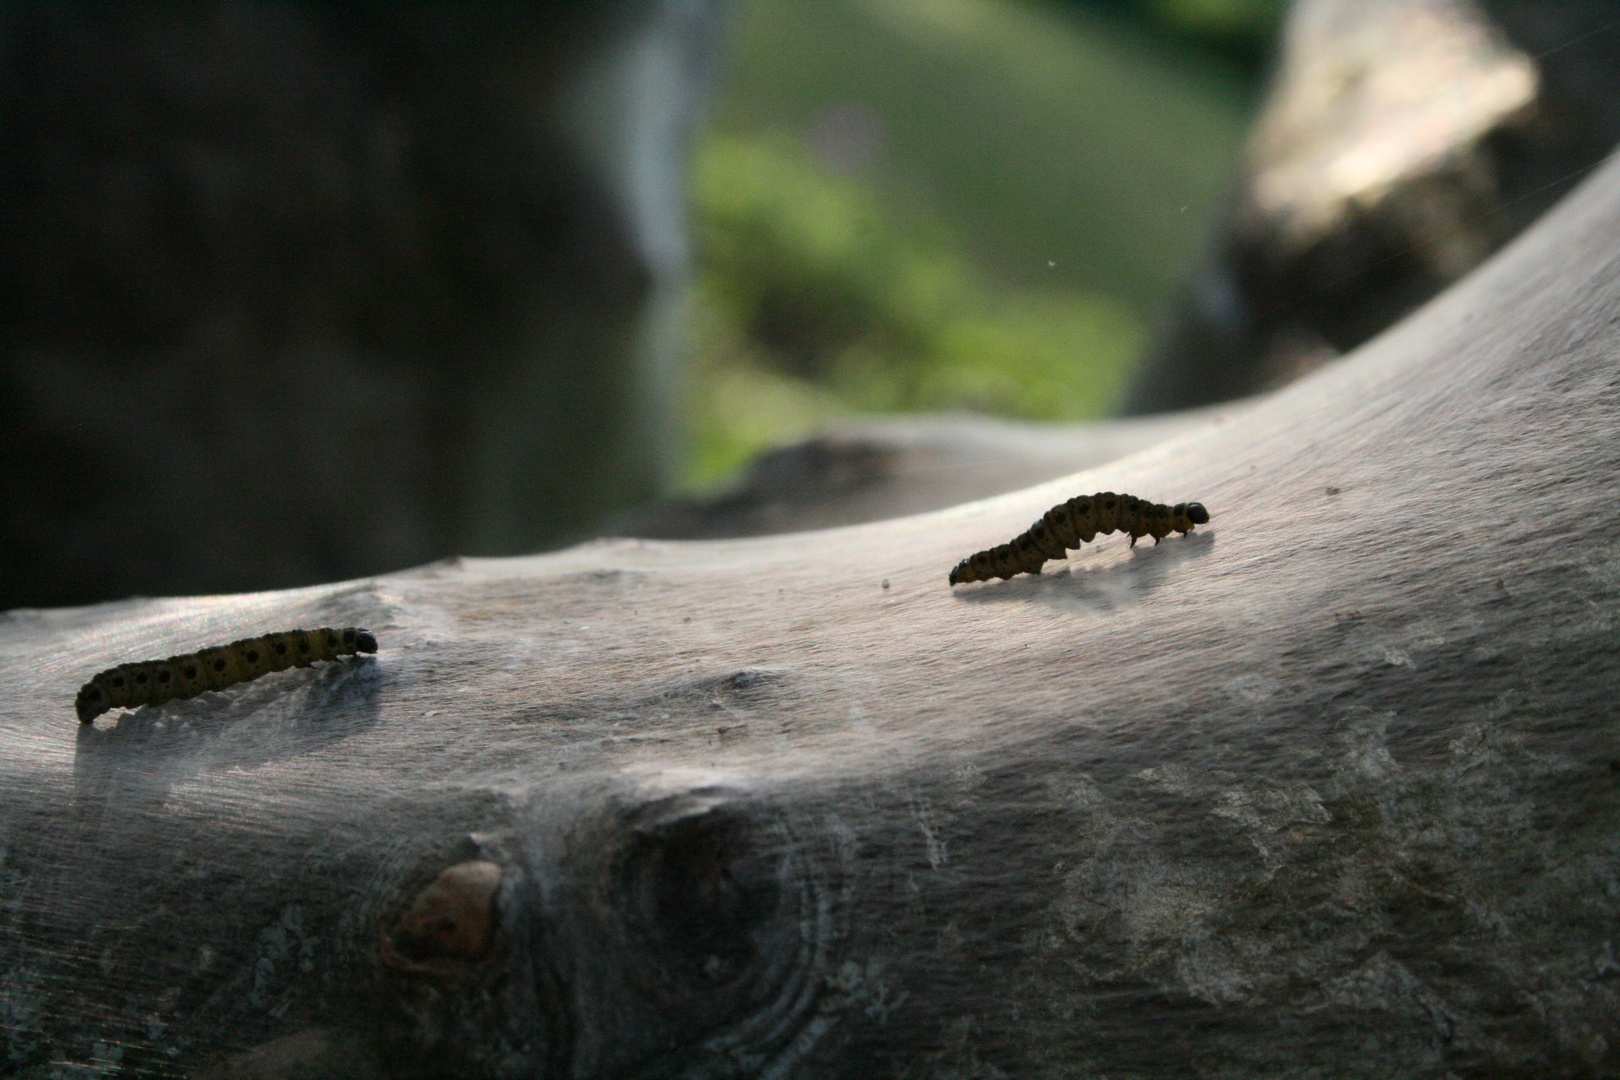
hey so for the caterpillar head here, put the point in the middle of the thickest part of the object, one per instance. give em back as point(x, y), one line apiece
point(1197, 514)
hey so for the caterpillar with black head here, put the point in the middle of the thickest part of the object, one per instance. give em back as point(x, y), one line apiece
point(152, 682)
point(1070, 524)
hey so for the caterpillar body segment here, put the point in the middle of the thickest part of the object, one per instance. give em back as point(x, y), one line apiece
point(152, 682)
point(1078, 521)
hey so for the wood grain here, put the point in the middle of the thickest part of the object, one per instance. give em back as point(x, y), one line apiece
point(1328, 787)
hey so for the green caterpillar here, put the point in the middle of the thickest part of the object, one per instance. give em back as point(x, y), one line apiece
point(152, 682)
point(1070, 524)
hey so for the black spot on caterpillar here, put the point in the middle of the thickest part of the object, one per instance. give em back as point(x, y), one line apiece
point(152, 682)
point(1070, 524)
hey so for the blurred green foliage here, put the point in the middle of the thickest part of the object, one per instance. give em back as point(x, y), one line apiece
point(814, 303)
point(1241, 29)
point(941, 204)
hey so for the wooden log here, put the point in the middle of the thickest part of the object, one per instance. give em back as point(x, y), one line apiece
point(1328, 788)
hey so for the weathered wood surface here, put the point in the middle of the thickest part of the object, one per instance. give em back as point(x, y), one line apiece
point(1329, 788)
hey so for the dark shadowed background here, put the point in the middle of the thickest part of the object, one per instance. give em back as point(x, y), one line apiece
point(296, 292)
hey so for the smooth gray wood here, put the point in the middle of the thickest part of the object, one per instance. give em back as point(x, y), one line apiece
point(1328, 788)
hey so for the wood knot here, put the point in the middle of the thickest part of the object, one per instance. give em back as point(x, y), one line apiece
point(449, 926)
